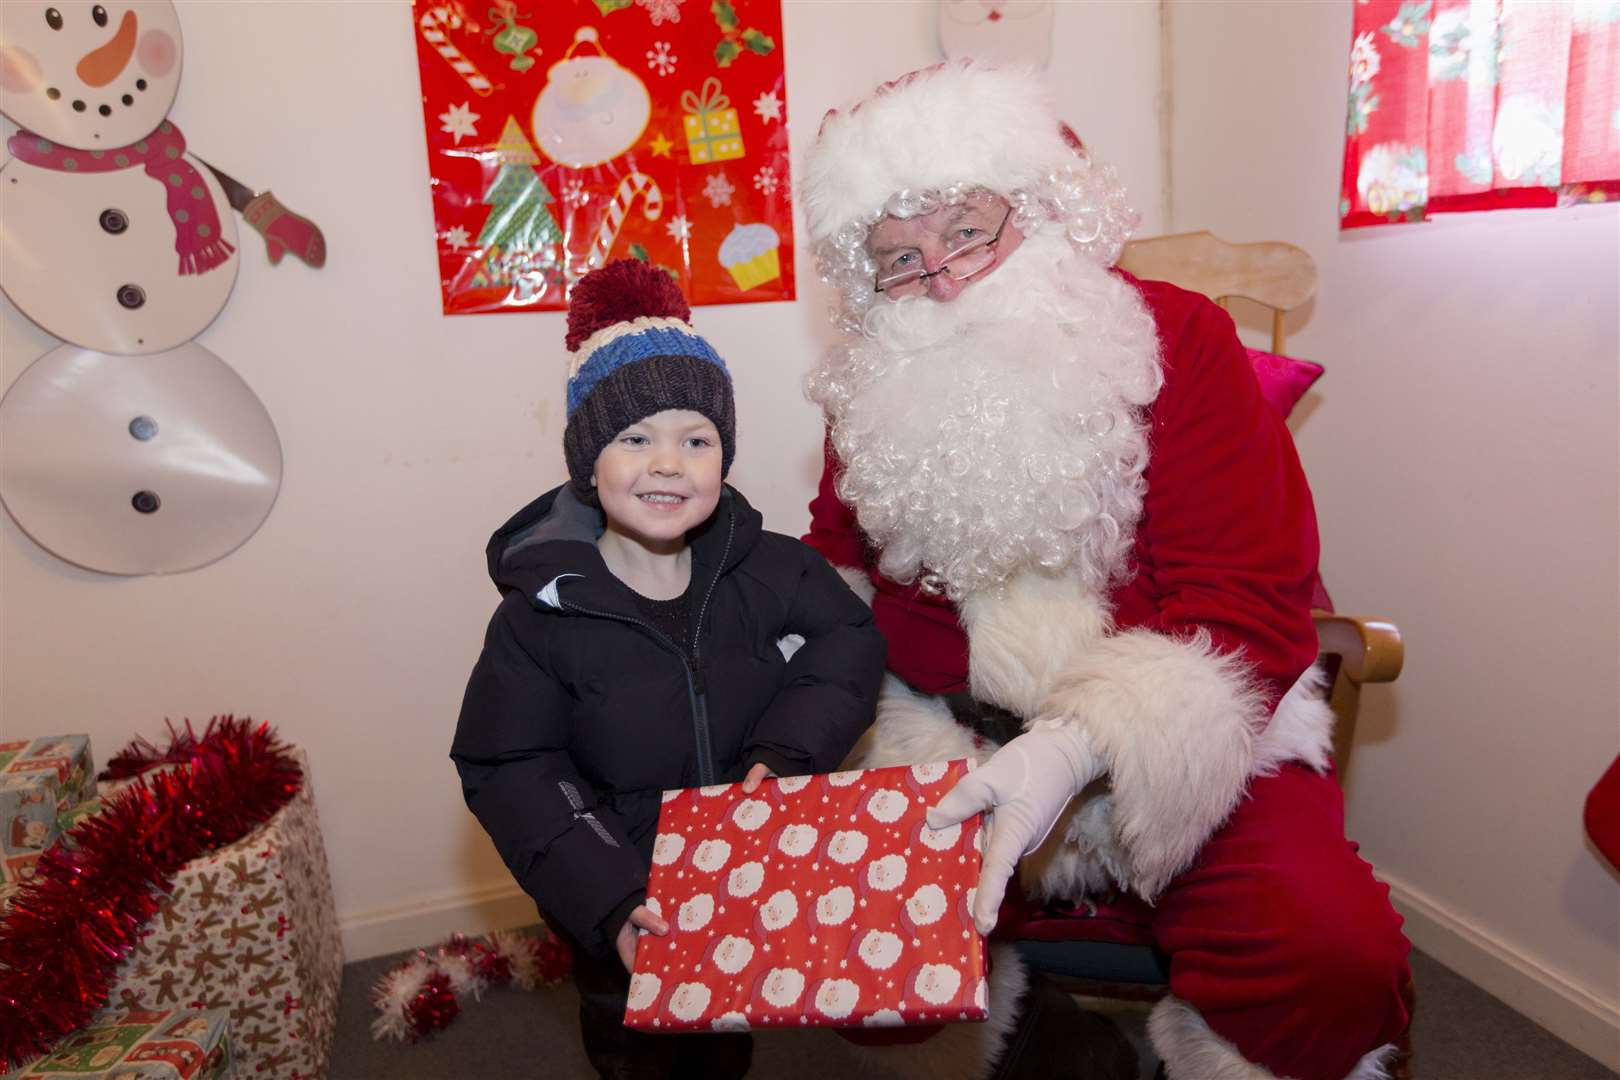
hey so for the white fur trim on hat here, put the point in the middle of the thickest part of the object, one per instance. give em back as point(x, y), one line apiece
point(956, 123)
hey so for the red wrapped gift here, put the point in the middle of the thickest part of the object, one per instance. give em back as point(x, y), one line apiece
point(821, 901)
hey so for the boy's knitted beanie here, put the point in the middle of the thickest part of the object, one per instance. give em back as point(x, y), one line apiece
point(636, 354)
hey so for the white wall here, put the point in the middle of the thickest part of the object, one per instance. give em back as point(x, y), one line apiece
point(1463, 453)
point(353, 617)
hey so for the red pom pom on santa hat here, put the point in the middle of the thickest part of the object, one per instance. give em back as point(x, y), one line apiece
point(622, 290)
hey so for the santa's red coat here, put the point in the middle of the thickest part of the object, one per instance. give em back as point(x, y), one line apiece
point(1227, 541)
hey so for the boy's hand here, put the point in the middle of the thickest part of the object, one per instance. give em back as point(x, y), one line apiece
point(756, 776)
point(642, 918)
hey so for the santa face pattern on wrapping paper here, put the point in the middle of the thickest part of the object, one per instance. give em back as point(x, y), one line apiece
point(796, 841)
point(731, 954)
point(847, 847)
point(92, 77)
point(710, 856)
point(826, 904)
point(835, 999)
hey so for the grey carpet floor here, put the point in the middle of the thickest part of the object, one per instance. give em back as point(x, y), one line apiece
point(1460, 1033)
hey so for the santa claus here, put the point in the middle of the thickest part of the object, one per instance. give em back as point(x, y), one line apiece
point(1091, 548)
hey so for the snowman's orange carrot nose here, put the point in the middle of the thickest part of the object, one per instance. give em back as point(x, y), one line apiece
point(101, 66)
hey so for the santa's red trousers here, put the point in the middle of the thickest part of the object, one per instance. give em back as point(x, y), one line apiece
point(1282, 939)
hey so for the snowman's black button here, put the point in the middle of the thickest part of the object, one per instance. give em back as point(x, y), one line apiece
point(78, 106)
point(131, 296)
point(143, 428)
point(146, 502)
point(114, 221)
point(105, 110)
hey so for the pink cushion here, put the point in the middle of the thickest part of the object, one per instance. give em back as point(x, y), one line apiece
point(1283, 379)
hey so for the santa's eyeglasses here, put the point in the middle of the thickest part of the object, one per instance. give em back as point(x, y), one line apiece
point(971, 258)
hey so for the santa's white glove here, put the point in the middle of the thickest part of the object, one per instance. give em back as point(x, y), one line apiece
point(1027, 783)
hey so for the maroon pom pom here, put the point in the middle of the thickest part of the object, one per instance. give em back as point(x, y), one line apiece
point(622, 290)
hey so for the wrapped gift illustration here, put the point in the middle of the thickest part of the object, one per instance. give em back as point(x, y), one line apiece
point(142, 1044)
point(711, 127)
point(817, 901)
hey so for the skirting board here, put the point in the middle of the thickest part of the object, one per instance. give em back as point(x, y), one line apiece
point(429, 919)
point(1569, 1011)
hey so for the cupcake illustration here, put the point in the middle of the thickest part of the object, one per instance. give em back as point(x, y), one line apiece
point(749, 255)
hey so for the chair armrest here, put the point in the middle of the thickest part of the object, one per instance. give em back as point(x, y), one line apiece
point(1371, 648)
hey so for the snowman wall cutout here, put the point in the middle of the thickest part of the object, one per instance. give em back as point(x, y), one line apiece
point(117, 239)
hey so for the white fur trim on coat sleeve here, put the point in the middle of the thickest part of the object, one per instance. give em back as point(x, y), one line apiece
point(1180, 726)
point(1176, 722)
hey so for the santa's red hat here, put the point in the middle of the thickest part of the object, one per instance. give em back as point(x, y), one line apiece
point(957, 123)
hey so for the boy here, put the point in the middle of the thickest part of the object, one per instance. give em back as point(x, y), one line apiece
point(636, 650)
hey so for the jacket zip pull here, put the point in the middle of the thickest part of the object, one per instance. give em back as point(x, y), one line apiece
point(695, 666)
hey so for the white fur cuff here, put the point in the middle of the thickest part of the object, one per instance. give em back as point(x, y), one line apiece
point(1177, 724)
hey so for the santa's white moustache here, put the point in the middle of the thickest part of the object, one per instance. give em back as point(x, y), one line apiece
point(1001, 430)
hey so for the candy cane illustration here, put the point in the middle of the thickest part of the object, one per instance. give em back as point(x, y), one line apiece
point(433, 26)
point(636, 184)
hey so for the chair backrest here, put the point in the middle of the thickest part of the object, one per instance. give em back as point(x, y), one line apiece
point(1276, 275)
point(1281, 277)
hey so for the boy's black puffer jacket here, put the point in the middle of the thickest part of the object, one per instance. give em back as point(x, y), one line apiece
point(579, 714)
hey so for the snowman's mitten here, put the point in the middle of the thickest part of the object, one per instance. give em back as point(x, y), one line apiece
point(1027, 783)
point(285, 231)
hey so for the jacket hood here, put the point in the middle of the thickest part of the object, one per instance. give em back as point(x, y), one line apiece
point(556, 535)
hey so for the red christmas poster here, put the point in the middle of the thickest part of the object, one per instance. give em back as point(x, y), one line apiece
point(565, 134)
point(817, 901)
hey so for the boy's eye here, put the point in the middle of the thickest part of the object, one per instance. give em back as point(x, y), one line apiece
point(633, 440)
point(699, 442)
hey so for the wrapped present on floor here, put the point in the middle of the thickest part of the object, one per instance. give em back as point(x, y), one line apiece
point(252, 929)
point(817, 901)
point(142, 1044)
point(712, 133)
point(39, 779)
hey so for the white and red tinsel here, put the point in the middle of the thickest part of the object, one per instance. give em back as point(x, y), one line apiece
point(422, 994)
point(72, 924)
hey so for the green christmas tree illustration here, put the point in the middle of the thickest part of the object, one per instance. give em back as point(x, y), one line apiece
point(520, 233)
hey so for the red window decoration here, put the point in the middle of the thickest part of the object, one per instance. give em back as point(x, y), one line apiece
point(1480, 105)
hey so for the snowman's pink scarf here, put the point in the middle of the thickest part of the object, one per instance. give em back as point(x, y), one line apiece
point(197, 238)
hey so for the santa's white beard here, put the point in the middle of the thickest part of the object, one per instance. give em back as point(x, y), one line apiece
point(1003, 430)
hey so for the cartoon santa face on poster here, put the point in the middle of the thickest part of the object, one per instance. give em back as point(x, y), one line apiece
point(592, 109)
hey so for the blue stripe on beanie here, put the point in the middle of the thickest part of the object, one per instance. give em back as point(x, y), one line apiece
point(654, 341)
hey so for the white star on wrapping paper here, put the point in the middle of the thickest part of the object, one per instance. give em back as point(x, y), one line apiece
point(680, 230)
point(574, 193)
point(459, 121)
point(456, 237)
point(765, 181)
point(717, 189)
point(768, 106)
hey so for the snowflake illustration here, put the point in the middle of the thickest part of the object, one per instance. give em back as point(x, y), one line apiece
point(680, 230)
point(768, 106)
point(765, 181)
point(574, 193)
point(660, 59)
point(456, 237)
point(717, 189)
point(660, 10)
point(460, 121)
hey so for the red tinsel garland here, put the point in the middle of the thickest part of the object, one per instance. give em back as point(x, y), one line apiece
point(72, 924)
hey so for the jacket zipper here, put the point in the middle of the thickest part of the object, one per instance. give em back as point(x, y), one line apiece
point(696, 689)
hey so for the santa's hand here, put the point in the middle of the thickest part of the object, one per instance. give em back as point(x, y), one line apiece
point(1027, 784)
